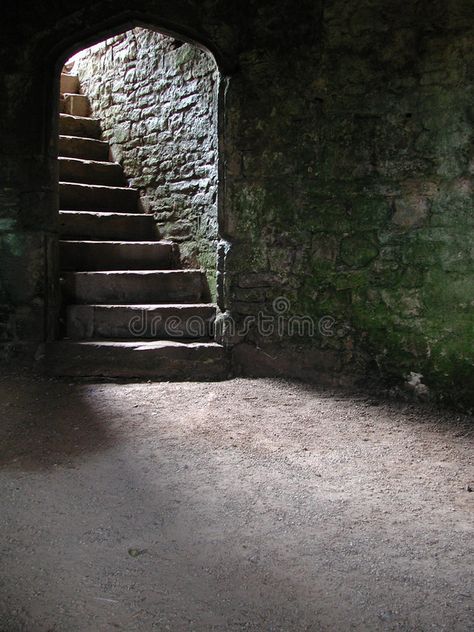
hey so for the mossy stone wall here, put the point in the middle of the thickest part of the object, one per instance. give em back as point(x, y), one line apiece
point(347, 177)
point(351, 192)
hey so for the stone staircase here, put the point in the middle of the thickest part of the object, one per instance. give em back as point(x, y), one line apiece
point(129, 309)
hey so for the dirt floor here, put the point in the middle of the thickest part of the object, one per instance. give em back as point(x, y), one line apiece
point(243, 505)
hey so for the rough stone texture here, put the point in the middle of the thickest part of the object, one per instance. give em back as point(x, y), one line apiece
point(347, 173)
point(156, 98)
point(349, 189)
point(165, 360)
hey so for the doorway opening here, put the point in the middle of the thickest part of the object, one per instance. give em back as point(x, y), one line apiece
point(138, 192)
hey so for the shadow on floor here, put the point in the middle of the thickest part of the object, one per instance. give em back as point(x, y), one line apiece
point(48, 423)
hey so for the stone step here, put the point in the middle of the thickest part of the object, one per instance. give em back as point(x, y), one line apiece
point(160, 360)
point(144, 321)
point(96, 225)
point(94, 197)
point(80, 126)
point(85, 148)
point(75, 104)
point(118, 255)
point(69, 83)
point(91, 172)
point(134, 287)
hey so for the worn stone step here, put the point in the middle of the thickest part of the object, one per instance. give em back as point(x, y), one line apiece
point(160, 360)
point(69, 83)
point(91, 172)
point(178, 321)
point(75, 104)
point(94, 197)
point(85, 148)
point(134, 287)
point(81, 126)
point(101, 225)
point(118, 255)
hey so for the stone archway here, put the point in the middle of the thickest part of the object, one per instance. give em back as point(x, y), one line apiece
point(120, 27)
point(29, 132)
point(80, 253)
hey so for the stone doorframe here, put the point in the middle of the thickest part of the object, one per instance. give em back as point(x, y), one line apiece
point(65, 49)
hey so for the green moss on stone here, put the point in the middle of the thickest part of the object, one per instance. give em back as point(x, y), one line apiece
point(357, 251)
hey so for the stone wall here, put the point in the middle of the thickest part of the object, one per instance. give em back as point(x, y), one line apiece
point(348, 178)
point(156, 98)
point(350, 194)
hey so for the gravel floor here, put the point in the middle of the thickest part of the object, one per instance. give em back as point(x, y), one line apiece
point(242, 505)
